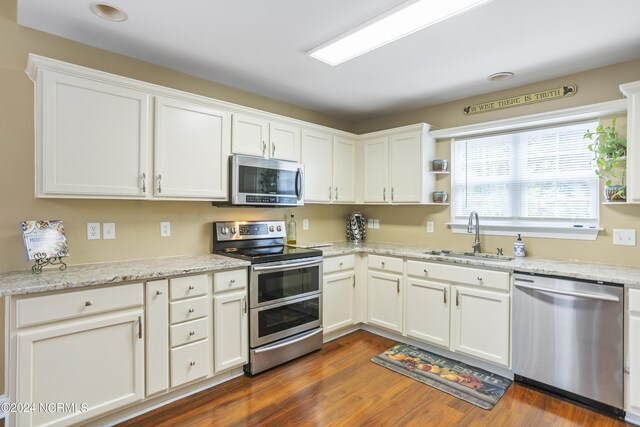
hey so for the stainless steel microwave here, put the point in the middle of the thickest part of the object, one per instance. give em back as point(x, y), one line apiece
point(255, 181)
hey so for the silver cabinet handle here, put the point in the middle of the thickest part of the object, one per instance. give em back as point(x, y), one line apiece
point(382, 264)
point(244, 304)
point(273, 149)
point(329, 192)
point(457, 298)
point(392, 194)
point(159, 183)
point(191, 310)
point(479, 278)
point(336, 193)
point(191, 287)
point(232, 281)
point(398, 286)
point(354, 281)
point(384, 193)
point(192, 363)
point(144, 182)
point(264, 148)
point(158, 292)
point(88, 303)
point(445, 296)
point(426, 272)
point(140, 327)
point(191, 333)
point(341, 264)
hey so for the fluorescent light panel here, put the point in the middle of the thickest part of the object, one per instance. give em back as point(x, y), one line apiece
point(395, 24)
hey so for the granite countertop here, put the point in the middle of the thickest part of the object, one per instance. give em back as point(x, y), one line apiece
point(77, 276)
point(629, 276)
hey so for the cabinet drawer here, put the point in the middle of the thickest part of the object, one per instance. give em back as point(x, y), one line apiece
point(189, 362)
point(188, 332)
point(385, 263)
point(338, 263)
point(49, 308)
point(190, 286)
point(465, 275)
point(227, 280)
point(189, 309)
point(634, 300)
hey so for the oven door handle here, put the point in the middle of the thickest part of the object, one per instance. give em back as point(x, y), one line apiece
point(299, 184)
point(286, 266)
point(286, 343)
point(601, 297)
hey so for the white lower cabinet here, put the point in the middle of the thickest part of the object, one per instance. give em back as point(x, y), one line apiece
point(96, 361)
point(337, 300)
point(427, 311)
point(480, 324)
point(231, 327)
point(385, 300)
point(157, 327)
point(473, 319)
point(632, 404)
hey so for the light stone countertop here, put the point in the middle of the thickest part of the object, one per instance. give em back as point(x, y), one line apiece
point(626, 275)
point(84, 275)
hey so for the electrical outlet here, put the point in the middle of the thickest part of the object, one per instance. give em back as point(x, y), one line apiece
point(376, 224)
point(370, 223)
point(93, 231)
point(305, 224)
point(109, 230)
point(429, 226)
point(624, 237)
point(165, 229)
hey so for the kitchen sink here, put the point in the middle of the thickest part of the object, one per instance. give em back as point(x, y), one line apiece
point(470, 255)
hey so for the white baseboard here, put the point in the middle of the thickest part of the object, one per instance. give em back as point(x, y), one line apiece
point(633, 419)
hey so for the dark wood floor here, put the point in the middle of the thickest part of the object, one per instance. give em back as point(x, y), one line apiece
point(339, 386)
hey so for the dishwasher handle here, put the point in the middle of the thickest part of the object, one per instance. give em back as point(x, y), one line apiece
point(601, 297)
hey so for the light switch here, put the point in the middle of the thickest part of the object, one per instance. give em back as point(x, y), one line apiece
point(370, 223)
point(429, 226)
point(624, 237)
point(109, 230)
point(376, 223)
point(305, 224)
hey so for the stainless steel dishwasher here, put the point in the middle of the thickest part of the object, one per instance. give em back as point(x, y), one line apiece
point(568, 338)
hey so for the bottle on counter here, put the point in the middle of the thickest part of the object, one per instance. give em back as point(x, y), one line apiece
point(518, 247)
point(291, 231)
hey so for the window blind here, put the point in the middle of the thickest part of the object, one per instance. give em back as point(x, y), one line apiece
point(532, 176)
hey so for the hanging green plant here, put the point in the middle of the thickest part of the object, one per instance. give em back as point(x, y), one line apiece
point(610, 158)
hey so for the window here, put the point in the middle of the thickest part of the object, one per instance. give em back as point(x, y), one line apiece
point(527, 180)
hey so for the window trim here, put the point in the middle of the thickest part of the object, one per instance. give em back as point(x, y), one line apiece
point(557, 117)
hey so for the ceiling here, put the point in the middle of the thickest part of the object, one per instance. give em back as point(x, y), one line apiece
point(259, 46)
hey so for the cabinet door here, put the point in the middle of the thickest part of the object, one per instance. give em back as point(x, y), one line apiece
point(633, 401)
point(385, 300)
point(376, 170)
point(427, 311)
point(191, 150)
point(249, 136)
point(285, 142)
point(481, 324)
point(93, 139)
point(337, 301)
point(633, 148)
point(406, 167)
point(317, 158)
point(157, 315)
point(97, 361)
point(231, 330)
point(344, 176)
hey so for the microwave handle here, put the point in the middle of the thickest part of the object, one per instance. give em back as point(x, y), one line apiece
point(299, 183)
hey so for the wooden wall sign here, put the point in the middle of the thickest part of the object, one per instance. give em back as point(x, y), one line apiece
point(530, 98)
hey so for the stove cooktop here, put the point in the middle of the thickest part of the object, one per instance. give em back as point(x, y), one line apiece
point(258, 255)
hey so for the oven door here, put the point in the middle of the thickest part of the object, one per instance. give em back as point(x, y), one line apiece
point(284, 319)
point(265, 182)
point(276, 282)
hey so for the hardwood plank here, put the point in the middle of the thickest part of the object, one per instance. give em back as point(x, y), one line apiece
point(339, 386)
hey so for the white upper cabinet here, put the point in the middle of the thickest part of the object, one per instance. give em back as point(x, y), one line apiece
point(632, 91)
point(317, 159)
point(285, 142)
point(92, 138)
point(250, 136)
point(255, 136)
point(191, 150)
point(396, 165)
point(344, 176)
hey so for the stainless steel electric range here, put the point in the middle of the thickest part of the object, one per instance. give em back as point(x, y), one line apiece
point(285, 291)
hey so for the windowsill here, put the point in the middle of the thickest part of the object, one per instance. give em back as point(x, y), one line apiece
point(544, 231)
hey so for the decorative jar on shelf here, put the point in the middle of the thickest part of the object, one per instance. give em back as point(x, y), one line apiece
point(439, 165)
point(440, 197)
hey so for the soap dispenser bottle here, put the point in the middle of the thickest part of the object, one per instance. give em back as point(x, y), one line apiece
point(291, 231)
point(518, 247)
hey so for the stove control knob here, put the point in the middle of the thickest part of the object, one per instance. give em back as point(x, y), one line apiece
point(271, 228)
point(279, 228)
point(224, 230)
point(233, 230)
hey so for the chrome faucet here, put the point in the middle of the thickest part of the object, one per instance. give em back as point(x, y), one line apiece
point(476, 242)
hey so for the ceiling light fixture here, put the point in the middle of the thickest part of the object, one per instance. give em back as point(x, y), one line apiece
point(108, 12)
point(399, 22)
point(498, 77)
